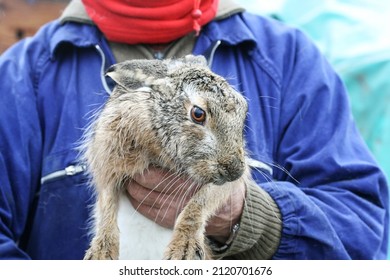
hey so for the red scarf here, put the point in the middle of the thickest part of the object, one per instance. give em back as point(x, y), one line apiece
point(149, 21)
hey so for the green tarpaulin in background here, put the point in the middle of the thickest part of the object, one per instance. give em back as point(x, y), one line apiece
point(355, 37)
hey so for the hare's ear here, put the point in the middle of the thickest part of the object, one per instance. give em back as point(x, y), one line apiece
point(133, 74)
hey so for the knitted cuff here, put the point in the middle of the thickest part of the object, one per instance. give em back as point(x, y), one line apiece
point(260, 227)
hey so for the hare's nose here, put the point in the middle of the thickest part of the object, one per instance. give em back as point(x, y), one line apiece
point(232, 169)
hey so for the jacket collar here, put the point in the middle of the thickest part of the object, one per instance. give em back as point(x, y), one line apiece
point(75, 34)
point(223, 31)
point(84, 34)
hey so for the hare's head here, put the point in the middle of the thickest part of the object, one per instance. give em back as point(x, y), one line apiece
point(192, 119)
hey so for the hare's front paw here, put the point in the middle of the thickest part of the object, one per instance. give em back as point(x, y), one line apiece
point(187, 248)
point(102, 250)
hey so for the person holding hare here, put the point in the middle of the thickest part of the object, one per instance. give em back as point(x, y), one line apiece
point(316, 193)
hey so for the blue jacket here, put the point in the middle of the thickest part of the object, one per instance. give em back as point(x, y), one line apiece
point(332, 196)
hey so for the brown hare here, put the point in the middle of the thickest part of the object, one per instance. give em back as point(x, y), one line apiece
point(174, 114)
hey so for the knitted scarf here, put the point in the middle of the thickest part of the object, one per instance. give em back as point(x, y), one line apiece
point(149, 21)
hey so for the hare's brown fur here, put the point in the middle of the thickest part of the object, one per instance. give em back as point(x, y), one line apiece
point(145, 122)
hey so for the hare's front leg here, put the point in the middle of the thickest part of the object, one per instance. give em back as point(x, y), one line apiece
point(189, 240)
point(105, 243)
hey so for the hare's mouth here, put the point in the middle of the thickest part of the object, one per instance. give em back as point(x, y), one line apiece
point(217, 173)
point(224, 175)
point(230, 169)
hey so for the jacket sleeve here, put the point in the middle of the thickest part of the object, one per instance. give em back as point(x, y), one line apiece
point(332, 195)
point(20, 146)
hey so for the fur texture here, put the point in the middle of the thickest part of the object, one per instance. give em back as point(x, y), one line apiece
point(175, 114)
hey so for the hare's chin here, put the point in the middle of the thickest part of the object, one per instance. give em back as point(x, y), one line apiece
point(217, 179)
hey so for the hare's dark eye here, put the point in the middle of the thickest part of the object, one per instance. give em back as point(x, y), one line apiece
point(198, 115)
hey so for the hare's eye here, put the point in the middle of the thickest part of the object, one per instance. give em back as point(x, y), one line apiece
point(198, 115)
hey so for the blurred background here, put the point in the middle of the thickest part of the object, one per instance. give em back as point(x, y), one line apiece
point(353, 34)
point(21, 18)
point(355, 37)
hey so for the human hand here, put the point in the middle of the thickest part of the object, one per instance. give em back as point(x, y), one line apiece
point(160, 196)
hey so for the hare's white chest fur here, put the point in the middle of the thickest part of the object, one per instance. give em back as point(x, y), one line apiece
point(140, 237)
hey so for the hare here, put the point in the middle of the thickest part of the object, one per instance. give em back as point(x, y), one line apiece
point(175, 114)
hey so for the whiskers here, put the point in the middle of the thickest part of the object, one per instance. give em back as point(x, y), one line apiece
point(285, 171)
point(180, 193)
point(171, 190)
point(266, 171)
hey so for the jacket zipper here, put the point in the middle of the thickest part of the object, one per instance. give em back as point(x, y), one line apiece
point(214, 48)
point(71, 170)
point(102, 70)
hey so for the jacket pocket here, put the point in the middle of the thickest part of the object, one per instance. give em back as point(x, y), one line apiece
point(60, 224)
